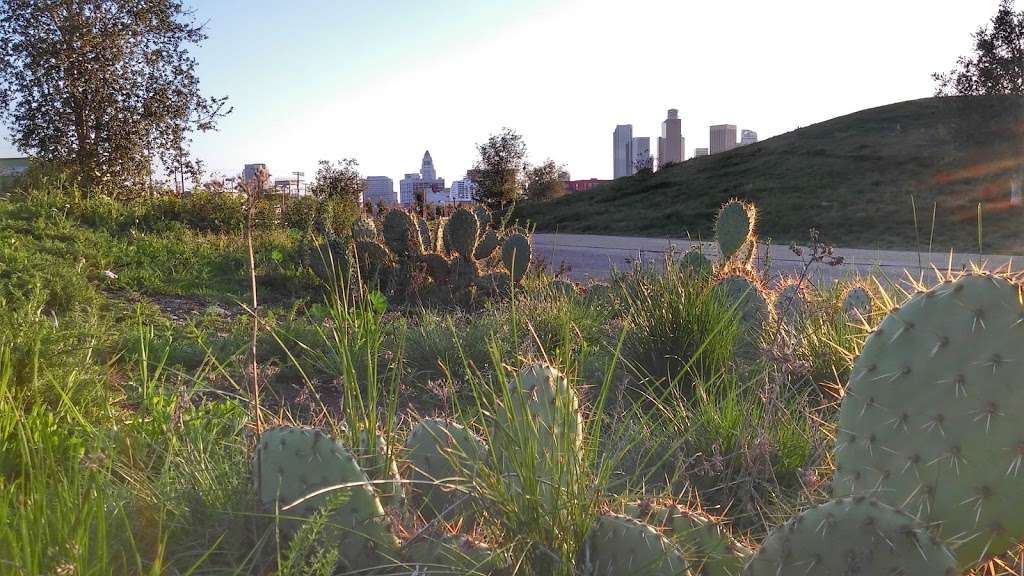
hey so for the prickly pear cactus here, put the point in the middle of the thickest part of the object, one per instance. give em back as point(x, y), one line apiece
point(424, 229)
point(695, 261)
point(436, 267)
point(857, 303)
point(486, 246)
point(496, 283)
point(851, 536)
point(621, 546)
point(464, 273)
point(539, 431)
point(931, 417)
point(515, 255)
point(401, 235)
point(439, 452)
point(483, 217)
point(378, 461)
point(454, 554)
point(791, 304)
point(461, 232)
point(373, 262)
point(734, 231)
point(708, 547)
point(746, 295)
point(364, 230)
point(599, 291)
point(294, 463)
point(328, 260)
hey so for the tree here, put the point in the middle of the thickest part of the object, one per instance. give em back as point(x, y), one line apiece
point(103, 87)
point(545, 181)
point(341, 181)
point(496, 172)
point(997, 66)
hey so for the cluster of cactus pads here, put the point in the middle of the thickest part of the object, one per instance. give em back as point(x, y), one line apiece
point(442, 261)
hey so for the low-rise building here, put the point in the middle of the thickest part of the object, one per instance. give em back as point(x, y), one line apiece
point(573, 186)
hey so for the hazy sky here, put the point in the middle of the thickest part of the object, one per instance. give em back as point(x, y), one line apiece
point(383, 80)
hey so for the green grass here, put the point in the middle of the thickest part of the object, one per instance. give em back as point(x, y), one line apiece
point(126, 434)
point(853, 177)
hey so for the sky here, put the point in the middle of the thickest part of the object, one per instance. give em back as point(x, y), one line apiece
point(383, 80)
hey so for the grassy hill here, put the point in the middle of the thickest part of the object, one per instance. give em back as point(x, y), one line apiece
point(852, 177)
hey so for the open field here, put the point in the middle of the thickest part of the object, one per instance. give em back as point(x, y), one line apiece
point(852, 177)
point(134, 436)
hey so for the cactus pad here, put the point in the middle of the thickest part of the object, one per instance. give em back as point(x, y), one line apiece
point(436, 267)
point(461, 232)
point(364, 230)
point(621, 546)
point(695, 261)
point(515, 255)
point(373, 260)
point(851, 536)
point(401, 235)
point(540, 430)
point(708, 547)
point(857, 303)
point(454, 554)
point(438, 452)
point(293, 463)
point(931, 417)
point(749, 300)
point(563, 287)
point(487, 245)
point(791, 304)
point(734, 230)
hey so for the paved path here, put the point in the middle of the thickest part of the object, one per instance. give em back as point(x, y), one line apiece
point(589, 256)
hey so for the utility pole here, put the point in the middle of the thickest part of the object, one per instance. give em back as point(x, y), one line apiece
point(298, 181)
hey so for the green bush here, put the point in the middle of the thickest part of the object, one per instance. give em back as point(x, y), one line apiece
point(298, 213)
point(218, 212)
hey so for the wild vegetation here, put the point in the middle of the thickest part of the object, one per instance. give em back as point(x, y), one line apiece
point(668, 420)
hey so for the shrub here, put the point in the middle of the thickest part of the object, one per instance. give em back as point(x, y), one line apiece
point(678, 328)
point(298, 213)
point(219, 212)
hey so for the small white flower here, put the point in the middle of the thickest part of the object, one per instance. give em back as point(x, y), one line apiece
point(110, 274)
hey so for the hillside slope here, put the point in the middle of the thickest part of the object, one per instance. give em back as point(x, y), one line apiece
point(852, 177)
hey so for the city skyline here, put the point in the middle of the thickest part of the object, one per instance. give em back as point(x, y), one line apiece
point(331, 80)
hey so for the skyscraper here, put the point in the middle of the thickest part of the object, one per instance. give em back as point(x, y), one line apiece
point(642, 154)
point(420, 184)
point(427, 167)
point(723, 138)
point(700, 152)
point(380, 189)
point(671, 144)
point(748, 137)
point(622, 151)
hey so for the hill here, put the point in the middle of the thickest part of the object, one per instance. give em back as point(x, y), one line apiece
point(852, 177)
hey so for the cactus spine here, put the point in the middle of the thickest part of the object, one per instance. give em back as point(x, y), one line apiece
point(515, 255)
point(734, 232)
point(930, 417)
point(621, 546)
point(851, 536)
point(442, 455)
point(294, 463)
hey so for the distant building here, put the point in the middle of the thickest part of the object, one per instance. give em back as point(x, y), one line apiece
point(380, 189)
point(723, 138)
point(583, 185)
point(622, 151)
point(249, 172)
point(700, 152)
point(748, 137)
point(288, 185)
point(424, 185)
point(671, 144)
point(462, 190)
point(641, 154)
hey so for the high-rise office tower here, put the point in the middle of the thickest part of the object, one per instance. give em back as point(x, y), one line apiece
point(427, 167)
point(622, 151)
point(380, 189)
point(723, 138)
point(642, 154)
point(671, 144)
point(748, 137)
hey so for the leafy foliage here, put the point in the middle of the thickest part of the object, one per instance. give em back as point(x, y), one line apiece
point(496, 173)
point(104, 86)
point(997, 65)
